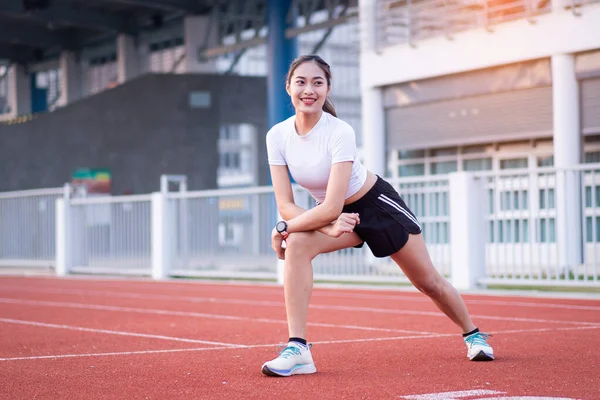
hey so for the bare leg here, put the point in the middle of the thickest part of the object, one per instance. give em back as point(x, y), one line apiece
point(302, 248)
point(416, 264)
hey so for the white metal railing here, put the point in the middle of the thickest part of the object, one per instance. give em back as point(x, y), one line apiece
point(409, 21)
point(509, 227)
point(110, 234)
point(27, 227)
point(543, 226)
point(223, 233)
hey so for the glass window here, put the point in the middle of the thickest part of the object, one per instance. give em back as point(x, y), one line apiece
point(478, 164)
point(513, 163)
point(591, 225)
point(443, 167)
point(547, 161)
point(411, 170)
point(592, 157)
point(588, 196)
point(450, 151)
point(408, 154)
point(546, 198)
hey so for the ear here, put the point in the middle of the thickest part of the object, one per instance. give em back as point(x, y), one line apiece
point(287, 88)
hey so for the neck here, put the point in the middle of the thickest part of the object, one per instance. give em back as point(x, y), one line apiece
point(305, 122)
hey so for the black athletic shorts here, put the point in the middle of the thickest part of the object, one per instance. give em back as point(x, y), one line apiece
point(385, 220)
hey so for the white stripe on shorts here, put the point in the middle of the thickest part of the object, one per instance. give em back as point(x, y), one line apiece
point(398, 207)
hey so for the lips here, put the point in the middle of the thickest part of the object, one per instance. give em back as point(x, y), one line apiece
point(308, 102)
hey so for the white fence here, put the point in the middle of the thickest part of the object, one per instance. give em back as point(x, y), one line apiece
point(517, 227)
point(27, 227)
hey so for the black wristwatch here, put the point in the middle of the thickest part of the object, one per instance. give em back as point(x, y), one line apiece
point(281, 227)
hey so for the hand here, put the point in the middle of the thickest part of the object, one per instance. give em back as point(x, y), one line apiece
point(278, 244)
point(344, 224)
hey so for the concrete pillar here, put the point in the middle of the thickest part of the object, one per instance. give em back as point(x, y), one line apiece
point(200, 33)
point(70, 78)
point(467, 230)
point(567, 153)
point(128, 63)
point(373, 128)
point(19, 90)
point(373, 114)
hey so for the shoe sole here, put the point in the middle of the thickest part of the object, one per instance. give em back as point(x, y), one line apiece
point(306, 369)
point(482, 356)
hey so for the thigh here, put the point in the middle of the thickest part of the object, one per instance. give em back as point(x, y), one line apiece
point(319, 243)
point(414, 260)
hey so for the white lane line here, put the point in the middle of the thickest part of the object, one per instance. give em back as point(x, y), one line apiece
point(340, 308)
point(255, 346)
point(451, 395)
point(197, 315)
point(315, 294)
point(111, 332)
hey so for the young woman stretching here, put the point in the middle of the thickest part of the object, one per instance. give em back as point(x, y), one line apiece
point(355, 206)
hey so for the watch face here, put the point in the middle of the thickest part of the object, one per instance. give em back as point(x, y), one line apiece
point(281, 226)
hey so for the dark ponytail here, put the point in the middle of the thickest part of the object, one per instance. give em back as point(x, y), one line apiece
point(328, 107)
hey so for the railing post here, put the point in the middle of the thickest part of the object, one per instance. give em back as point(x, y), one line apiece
point(63, 256)
point(161, 239)
point(467, 230)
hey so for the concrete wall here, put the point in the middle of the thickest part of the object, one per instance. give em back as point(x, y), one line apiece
point(139, 130)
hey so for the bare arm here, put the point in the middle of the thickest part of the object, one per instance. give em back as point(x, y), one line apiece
point(285, 196)
point(318, 218)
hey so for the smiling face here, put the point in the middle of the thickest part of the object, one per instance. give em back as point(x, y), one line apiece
point(308, 87)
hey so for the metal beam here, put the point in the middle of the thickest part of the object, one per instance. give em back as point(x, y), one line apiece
point(81, 17)
point(13, 32)
point(192, 6)
point(19, 54)
point(289, 33)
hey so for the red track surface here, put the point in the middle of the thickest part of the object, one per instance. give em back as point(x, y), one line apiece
point(111, 339)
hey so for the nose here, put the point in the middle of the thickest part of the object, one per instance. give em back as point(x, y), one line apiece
point(308, 89)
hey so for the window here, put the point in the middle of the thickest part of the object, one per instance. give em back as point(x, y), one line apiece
point(167, 56)
point(102, 73)
point(237, 153)
point(514, 163)
point(443, 167)
point(546, 161)
point(592, 157)
point(411, 170)
point(478, 164)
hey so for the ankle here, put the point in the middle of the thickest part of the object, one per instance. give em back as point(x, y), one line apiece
point(474, 331)
point(298, 340)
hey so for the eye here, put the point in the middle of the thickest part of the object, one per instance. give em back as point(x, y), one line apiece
point(299, 81)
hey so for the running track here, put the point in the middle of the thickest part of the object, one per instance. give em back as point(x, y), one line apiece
point(137, 339)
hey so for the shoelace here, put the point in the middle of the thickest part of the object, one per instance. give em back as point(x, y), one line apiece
point(288, 351)
point(477, 338)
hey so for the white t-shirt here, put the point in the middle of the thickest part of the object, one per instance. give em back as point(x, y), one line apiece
point(309, 157)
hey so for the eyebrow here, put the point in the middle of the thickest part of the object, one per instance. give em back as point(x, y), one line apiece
point(316, 77)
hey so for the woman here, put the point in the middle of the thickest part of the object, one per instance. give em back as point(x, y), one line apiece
point(355, 206)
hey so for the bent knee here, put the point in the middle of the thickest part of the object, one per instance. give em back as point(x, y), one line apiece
point(301, 243)
point(431, 287)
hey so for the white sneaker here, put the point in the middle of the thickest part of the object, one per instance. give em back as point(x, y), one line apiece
point(477, 347)
point(294, 359)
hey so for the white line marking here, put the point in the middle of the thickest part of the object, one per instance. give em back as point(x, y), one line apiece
point(255, 346)
point(195, 314)
point(451, 395)
point(343, 308)
point(111, 332)
point(278, 292)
